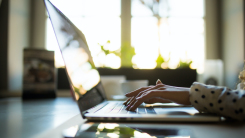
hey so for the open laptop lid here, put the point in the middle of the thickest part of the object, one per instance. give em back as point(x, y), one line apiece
point(83, 76)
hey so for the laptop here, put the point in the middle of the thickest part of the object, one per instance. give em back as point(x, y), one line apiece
point(86, 85)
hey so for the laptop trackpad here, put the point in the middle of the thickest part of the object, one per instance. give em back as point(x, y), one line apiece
point(176, 110)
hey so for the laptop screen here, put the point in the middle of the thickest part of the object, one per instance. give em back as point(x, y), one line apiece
point(83, 76)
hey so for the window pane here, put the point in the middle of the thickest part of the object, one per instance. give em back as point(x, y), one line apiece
point(89, 7)
point(185, 8)
point(185, 26)
point(166, 8)
point(183, 39)
point(100, 21)
point(173, 28)
point(51, 44)
point(100, 30)
point(139, 9)
point(145, 40)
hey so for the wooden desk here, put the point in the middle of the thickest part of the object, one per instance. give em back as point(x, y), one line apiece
point(29, 118)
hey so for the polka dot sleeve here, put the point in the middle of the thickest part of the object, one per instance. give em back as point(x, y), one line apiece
point(219, 100)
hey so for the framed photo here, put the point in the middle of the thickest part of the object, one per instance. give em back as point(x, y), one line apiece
point(38, 74)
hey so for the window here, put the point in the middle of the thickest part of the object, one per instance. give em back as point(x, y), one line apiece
point(173, 29)
point(168, 32)
point(100, 21)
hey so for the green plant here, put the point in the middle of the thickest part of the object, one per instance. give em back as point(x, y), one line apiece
point(127, 53)
point(184, 64)
point(117, 52)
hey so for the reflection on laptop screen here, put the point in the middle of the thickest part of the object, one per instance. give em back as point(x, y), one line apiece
point(81, 71)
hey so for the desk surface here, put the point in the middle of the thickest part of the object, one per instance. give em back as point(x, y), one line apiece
point(48, 118)
point(28, 118)
point(198, 130)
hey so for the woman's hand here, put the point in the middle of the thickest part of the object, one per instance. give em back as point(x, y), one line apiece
point(160, 93)
point(132, 95)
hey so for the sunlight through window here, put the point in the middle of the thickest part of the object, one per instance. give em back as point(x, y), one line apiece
point(99, 20)
point(169, 29)
point(172, 28)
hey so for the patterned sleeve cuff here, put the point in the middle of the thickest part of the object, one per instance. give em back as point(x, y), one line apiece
point(204, 97)
point(219, 100)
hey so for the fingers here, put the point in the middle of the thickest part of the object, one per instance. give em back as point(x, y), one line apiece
point(136, 92)
point(132, 100)
point(141, 99)
point(125, 103)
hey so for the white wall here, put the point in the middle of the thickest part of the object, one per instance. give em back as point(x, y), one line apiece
point(38, 24)
point(212, 50)
point(18, 39)
point(233, 40)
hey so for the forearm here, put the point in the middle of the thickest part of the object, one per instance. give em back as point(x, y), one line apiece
point(180, 97)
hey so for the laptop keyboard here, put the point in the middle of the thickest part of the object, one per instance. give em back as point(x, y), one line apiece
point(150, 110)
point(119, 108)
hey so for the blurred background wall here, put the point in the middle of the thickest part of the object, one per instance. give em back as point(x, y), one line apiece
point(23, 26)
point(225, 36)
point(232, 39)
point(18, 38)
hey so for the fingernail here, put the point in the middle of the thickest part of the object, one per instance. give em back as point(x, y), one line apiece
point(159, 81)
point(131, 108)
